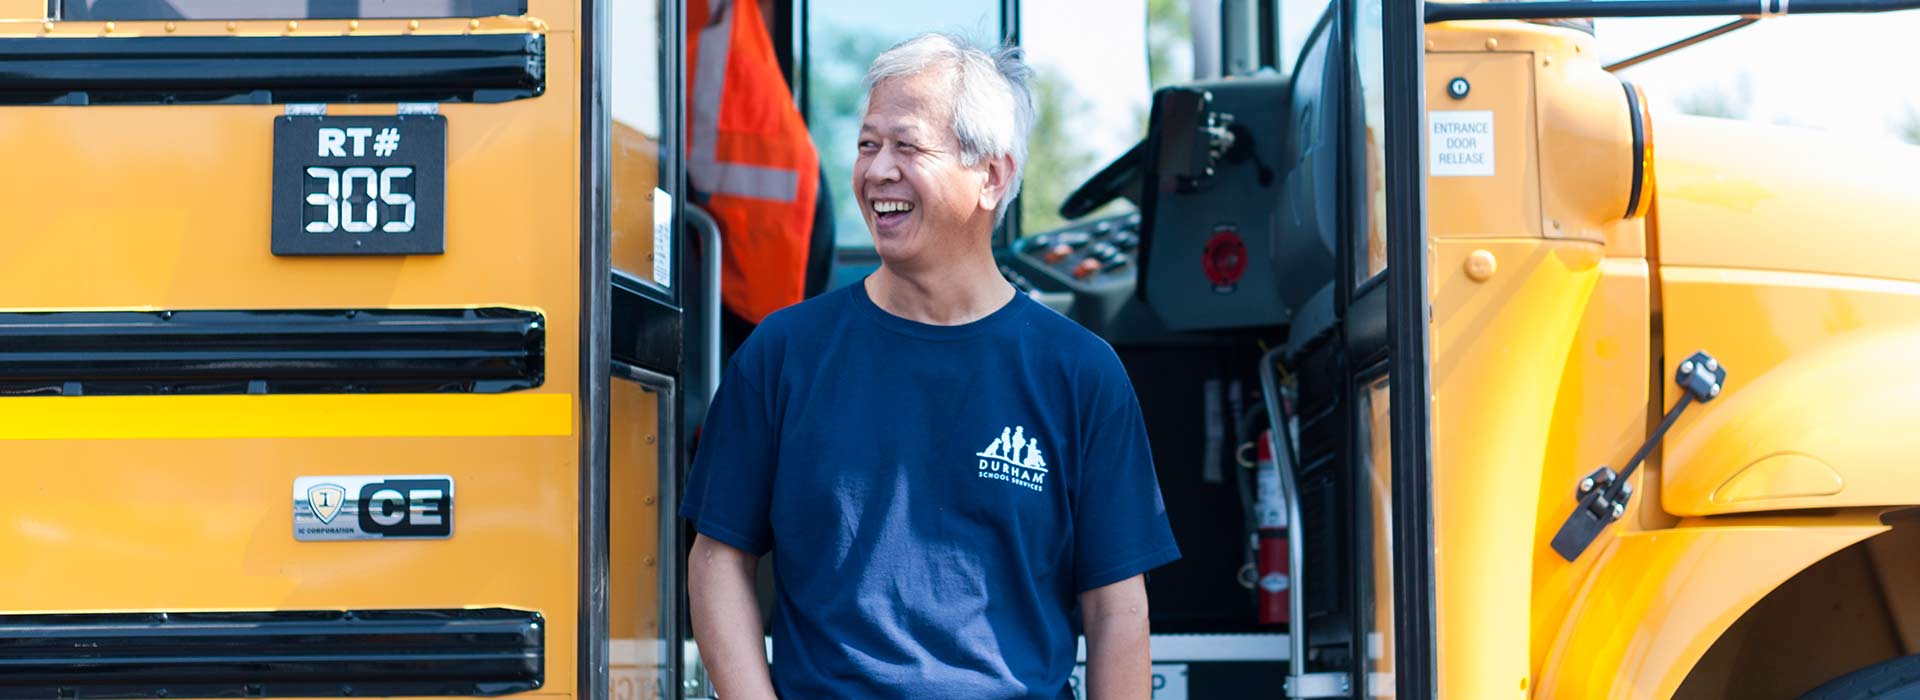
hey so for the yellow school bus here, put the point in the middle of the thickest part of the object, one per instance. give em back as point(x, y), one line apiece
point(357, 347)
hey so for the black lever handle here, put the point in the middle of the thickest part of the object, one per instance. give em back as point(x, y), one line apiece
point(1603, 495)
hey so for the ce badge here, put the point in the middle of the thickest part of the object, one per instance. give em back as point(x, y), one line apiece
point(372, 507)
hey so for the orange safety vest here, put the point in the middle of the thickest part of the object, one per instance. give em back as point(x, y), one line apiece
point(749, 151)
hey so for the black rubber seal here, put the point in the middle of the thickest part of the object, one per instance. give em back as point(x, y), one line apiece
point(1638, 119)
point(263, 70)
point(73, 353)
point(489, 651)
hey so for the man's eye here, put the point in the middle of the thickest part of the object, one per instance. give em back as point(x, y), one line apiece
point(868, 145)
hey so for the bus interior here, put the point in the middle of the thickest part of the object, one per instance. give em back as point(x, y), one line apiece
point(1226, 227)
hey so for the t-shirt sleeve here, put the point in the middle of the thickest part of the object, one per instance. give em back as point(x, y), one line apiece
point(1120, 522)
point(730, 487)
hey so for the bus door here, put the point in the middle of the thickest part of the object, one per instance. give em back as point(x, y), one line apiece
point(664, 335)
point(305, 343)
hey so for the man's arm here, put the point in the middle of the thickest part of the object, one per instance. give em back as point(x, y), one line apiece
point(726, 620)
point(1119, 663)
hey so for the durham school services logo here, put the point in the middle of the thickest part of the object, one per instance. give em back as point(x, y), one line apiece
point(1014, 458)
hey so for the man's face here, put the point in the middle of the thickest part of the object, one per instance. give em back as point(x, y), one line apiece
point(919, 200)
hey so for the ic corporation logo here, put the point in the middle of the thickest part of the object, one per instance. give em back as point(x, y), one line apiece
point(1014, 458)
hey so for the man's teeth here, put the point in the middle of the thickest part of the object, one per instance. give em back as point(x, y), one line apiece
point(889, 207)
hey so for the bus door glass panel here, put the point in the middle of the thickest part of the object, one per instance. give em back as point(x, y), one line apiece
point(634, 165)
point(842, 38)
point(1367, 241)
point(99, 10)
point(1371, 246)
point(1375, 537)
point(641, 621)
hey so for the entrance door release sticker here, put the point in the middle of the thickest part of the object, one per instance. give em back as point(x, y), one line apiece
point(372, 507)
point(1461, 143)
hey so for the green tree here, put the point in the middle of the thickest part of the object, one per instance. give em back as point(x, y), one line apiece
point(1907, 125)
point(1057, 161)
point(1169, 42)
point(834, 94)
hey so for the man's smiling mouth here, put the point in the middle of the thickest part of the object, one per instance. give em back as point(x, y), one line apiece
point(889, 214)
point(891, 206)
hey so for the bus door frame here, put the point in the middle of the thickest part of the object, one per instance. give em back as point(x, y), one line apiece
point(1409, 329)
point(635, 330)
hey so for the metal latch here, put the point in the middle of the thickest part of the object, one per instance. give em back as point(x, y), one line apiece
point(1603, 495)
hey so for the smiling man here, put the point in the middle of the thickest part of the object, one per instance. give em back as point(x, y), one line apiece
point(954, 481)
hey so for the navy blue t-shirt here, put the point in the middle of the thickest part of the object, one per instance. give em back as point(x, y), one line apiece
point(935, 497)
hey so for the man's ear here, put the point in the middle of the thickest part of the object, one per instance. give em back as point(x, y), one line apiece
point(999, 180)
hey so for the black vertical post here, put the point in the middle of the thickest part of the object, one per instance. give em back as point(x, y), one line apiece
point(1009, 229)
point(596, 356)
point(1409, 325)
point(797, 45)
point(673, 536)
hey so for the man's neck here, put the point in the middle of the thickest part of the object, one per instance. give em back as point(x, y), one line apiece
point(949, 294)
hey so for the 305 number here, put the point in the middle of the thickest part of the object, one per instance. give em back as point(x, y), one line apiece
point(378, 186)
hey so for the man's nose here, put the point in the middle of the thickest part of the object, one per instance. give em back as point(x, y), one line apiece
point(884, 167)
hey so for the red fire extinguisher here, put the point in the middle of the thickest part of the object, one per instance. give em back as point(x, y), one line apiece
point(1271, 517)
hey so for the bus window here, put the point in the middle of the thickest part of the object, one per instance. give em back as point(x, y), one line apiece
point(97, 10)
point(634, 136)
point(1371, 253)
point(1375, 460)
point(842, 38)
point(1090, 63)
point(638, 619)
point(1297, 18)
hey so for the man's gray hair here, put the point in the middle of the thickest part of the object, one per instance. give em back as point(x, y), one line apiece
point(992, 102)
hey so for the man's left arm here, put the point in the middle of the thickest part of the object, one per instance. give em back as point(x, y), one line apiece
point(1119, 663)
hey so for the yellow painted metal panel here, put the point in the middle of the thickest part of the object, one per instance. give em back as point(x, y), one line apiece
point(1457, 205)
point(34, 10)
point(1818, 365)
point(1757, 196)
point(1657, 600)
point(1586, 151)
point(283, 416)
point(1576, 147)
point(1599, 417)
point(1500, 346)
point(208, 525)
point(1785, 475)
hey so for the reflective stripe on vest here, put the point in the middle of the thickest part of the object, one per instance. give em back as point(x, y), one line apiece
point(749, 151)
point(709, 173)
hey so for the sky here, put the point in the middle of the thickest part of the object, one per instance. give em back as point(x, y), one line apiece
point(1100, 47)
point(1852, 74)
